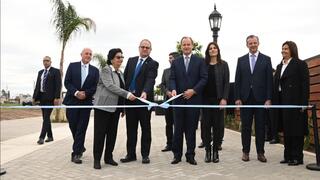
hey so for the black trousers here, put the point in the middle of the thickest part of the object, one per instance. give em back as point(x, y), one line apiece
point(78, 124)
point(133, 117)
point(247, 115)
point(46, 129)
point(293, 147)
point(185, 122)
point(105, 130)
point(212, 121)
point(169, 126)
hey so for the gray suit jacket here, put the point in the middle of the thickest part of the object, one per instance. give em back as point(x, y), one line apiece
point(108, 90)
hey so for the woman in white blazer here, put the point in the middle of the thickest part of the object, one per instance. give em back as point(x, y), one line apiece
point(110, 91)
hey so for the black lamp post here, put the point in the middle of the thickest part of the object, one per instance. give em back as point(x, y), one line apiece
point(215, 23)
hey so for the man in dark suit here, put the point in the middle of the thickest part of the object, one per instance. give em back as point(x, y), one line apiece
point(81, 83)
point(47, 91)
point(139, 75)
point(188, 76)
point(168, 112)
point(253, 86)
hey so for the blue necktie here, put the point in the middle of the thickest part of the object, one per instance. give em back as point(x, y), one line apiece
point(83, 74)
point(253, 62)
point(132, 87)
point(45, 75)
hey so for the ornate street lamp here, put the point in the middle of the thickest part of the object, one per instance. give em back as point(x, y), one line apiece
point(215, 23)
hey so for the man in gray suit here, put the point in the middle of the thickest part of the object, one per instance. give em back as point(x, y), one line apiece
point(168, 112)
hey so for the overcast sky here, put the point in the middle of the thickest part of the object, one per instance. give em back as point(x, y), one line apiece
point(27, 34)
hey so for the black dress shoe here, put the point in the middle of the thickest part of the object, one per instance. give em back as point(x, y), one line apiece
point(96, 165)
point(40, 141)
point(111, 162)
point(274, 141)
point(284, 161)
point(145, 160)
point(76, 159)
point(128, 159)
point(201, 145)
point(295, 163)
point(49, 139)
point(219, 148)
point(192, 161)
point(175, 161)
point(167, 148)
point(82, 151)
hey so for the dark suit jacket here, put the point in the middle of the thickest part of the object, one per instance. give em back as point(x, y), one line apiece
point(260, 81)
point(53, 85)
point(294, 91)
point(195, 78)
point(146, 77)
point(72, 82)
point(165, 81)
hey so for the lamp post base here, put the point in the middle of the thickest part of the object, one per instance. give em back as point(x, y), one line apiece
point(313, 167)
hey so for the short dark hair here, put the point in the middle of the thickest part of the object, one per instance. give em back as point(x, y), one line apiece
point(293, 49)
point(174, 54)
point(207, 55)
point(251, 36)
point(112, 53)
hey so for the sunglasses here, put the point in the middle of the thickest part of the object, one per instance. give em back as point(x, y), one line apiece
point(144, 47)
point(119, 57)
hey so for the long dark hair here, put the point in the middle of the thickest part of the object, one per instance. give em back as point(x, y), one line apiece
point(293, 49)
point(207, 57)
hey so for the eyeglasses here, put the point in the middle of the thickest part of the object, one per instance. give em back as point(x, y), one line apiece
point(119, 57)
point(144, 47)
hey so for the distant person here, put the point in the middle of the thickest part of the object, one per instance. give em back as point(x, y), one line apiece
point(110, 91)
point(139, 76)
point(215, 92)
point(253, 86)
point(168, 112)
point(47, 92)
point(81, 83)
point(188, 76)
point(292, 87)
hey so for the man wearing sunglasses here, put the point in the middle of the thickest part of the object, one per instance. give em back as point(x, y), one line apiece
point(139, 75)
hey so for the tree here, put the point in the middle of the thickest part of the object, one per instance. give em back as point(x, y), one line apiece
point(196, 48)
point(68, 22)
point(102, 61)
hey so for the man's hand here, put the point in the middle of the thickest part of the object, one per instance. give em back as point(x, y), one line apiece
point(169, 94)
point(188, 93)
point(239, 103)
point(143, 95)
point(223, 102)
point(81, 95)
point(267, 103)
point(173, 93)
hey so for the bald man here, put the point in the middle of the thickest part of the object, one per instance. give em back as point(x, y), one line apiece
point(81, 83)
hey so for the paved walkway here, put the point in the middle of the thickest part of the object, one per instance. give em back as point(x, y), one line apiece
point(24, 159)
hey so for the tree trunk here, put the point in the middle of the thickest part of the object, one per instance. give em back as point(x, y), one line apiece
point(59, 114)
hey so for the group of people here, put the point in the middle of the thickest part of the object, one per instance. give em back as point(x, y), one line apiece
point(202, 81)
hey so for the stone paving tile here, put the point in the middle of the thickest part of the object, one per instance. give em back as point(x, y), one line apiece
point(53, 162)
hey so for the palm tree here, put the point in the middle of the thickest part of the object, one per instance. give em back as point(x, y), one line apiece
point(102, 61)
point(67, 22)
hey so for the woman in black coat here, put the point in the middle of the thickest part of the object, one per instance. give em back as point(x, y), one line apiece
point(292, 88)
point(215, 92)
